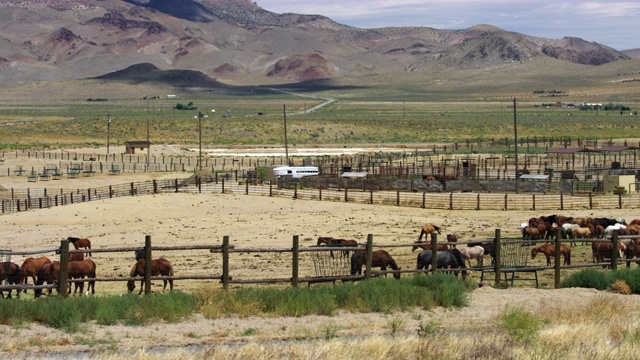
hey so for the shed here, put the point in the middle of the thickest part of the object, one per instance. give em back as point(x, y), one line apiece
point(618, 149)
point(572, 152)
point(131, 145)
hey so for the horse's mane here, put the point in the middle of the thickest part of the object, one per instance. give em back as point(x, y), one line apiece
point(73, 239)
point(133, 270)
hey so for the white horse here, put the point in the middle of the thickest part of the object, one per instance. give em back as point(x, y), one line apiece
point(608, 231)
point(472, 252)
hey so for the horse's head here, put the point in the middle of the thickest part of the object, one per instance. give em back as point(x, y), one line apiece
point(73, 239)
point(131, 285)
point(534, 252)
point(396, 273)
point(140, 254)
point(437, 229)
point(416, 246)
point(324, 240)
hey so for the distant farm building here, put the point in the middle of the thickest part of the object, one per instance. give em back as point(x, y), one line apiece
point(130, 146)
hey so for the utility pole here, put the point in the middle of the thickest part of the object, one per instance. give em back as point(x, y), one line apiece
point(515, 137)
point(148, 142)
point(286, 145)
point(200, 139)
point(108, 131)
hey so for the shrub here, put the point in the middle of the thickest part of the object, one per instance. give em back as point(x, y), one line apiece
point(588, 278)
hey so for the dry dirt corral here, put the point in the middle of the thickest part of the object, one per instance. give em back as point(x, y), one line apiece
point(258, 221)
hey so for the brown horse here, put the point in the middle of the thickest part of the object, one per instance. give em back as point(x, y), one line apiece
point(427, 246)
point(80, 270)
point(48, 273)
point(602, 251)
point(75, 256)
point(549, 251)
point(379, 258)
point(31, 267)
point(340, 242)
point(452, 238)
point(158, 267)
point(429, 229)
point(80, 243)
point(11, 273)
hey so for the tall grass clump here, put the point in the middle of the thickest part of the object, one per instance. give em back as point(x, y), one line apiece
point(520, 324)
point(375, 295)
point(587, 278)
point(68, 314)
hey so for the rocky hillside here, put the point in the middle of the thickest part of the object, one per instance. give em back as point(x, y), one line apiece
point(237, 42)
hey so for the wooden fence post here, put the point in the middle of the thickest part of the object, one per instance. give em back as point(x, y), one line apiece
point(63, 278)
point(533, 200)
point(246, 187)
point(561, 201)
point(225, 262)
point(478, 202)
point(294, 261)
point(270, 188)
point(147, 264)
point(371, 196)
point(497, 263)
point(155, 186)
point(346, 194)
point(175, 184)
point(199, 182)
point(367, 273)
point(320, 193)
point(424, 199)
point(295, 190)
point(434, 252)
point(132, 190)
point(620, 200)
point(223, 185)
point(614, 251)
point(590, 201)
point(558, 252)
point(451, 200)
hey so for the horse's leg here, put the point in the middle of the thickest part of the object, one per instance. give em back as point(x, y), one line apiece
point(141, 286)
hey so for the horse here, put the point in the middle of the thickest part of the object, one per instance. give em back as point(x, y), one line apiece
point(379, 258)
point(31, 267)
point(472, 252)
point(341, 242)
point(158, 267)
point(80, 270)
point(603, 250)
point(10, 272)
point(631, 251)
point(449, 259)
point(140, 254)
point(581, 233)
point(549, 251)
point(427, 246)
point(428, 229)
point(80, 243)
point(75, 256)
point(452, 238)
point(49, 273)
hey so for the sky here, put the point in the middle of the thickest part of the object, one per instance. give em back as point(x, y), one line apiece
point(612, 23)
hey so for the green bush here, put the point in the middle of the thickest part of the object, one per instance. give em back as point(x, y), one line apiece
point(520, 324)
point(588, 278)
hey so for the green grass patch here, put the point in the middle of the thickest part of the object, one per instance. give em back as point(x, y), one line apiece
point(602, 280)
point(376, 295)
point(520, 324)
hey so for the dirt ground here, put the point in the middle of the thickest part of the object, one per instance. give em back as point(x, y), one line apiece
point(258, 221)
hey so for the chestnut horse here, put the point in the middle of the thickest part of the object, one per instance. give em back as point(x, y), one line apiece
point(80, 243)
point(340, 242)
point(158, 267)
point(379, 258)
point(427, 246)
point(31, 267)
point(549, 251)
point(11, 273)
point(428, 229)
point(80, 270)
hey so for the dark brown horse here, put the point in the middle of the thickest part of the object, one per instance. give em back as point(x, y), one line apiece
point(31, 267)
point(75, 256)
point(11, 273)
point(549, 251)
point(452, 238)
point(48, 273)
point(429, 229)
point(602, 251)
point(80, 270)
point(80, 243)
point(158, 267)
point(379, 258)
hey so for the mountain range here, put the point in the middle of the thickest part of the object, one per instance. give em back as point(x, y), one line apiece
point(235, 42)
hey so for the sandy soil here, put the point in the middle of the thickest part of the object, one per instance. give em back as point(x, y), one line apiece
point(255, 221)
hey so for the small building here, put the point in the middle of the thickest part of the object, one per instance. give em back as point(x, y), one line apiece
point(132, 145)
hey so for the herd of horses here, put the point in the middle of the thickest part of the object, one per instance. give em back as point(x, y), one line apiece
point(42, 270)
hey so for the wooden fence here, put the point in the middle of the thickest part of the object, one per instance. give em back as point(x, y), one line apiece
point(16, 200)
point(227, 278)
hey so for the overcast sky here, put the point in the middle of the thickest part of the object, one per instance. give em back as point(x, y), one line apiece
point(612, 23)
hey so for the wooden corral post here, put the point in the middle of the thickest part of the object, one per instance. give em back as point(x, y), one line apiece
point(371, 196)
point(147, 264)
point(533, 201)
point(175, 184)
point(590, 201)
point(320, 194)
point(346, 194)
point(63, 279)
point(620, 200)
point(561, 201)
point(270, 188)
point(424, 199)
point(497, 261)
point(223, 185)
point(398, 198)
point(132, 189)
point(294, 260)
point(89, 194)
point(110, 191)
point(295, 190)
point(367, 273)
point(434, 252)
point(478, 202)
point(614, 250)
point(451, 200)
point(556, 264)
point(199, 182)
point(506, 207)
point(225, 262)
point(246, 186)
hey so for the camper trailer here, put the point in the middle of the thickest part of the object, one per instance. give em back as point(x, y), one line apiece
point(294, 171)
